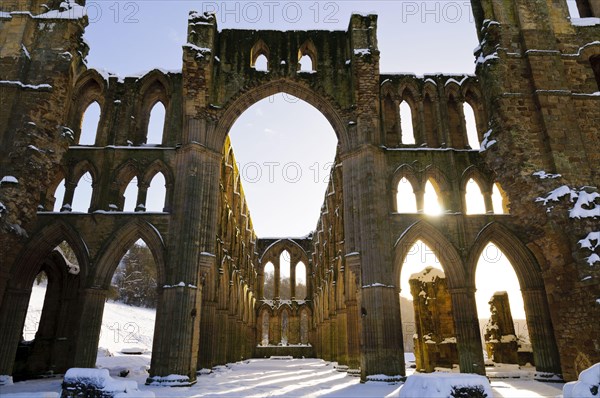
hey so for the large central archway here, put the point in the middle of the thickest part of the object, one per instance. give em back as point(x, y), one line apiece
point(337, 117)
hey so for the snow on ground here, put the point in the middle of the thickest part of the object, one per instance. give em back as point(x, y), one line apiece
point(250, 378)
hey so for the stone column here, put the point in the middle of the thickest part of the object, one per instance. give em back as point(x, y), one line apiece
point(353, 335)
point(293, 263)
point(12, 318)
point(541, 331)
point(207, 333)
point(419, 131)
point(276, 265)
point(342, 336)
point(68, 197)
point(468, 335)
point(489, 205)
point(90, 313)
point(420, 198)
point(197, 190)
point(140, 204)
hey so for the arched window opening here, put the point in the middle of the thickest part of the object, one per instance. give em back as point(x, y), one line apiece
point(475, 204)
point(261, 64)
point(501, 308)
point(595, 62)
point(284, 327)
point(59, 196)
point(304, 327)
point(259, 136)
point(35, 307)
point(82, 198)
point(300, 281)
point(471, 125)
point(89, 124)
point(406, 201)
point(499, 201)
point(156, 124)
point(431, 201)
point(285, 291)
point(130, 195)
point(406, 124)
point(269, 281)
point(306, 64)
point(419, 257)
point(155, 199)
point(134, 283)
point(265, 329)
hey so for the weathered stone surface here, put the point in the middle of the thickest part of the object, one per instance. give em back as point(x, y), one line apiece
point(435, 340)
point(500, 337)
point(535, 111)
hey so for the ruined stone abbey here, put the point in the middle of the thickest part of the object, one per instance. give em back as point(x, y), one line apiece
point(535, 96)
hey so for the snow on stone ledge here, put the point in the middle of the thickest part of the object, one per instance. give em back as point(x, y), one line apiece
point(587, 241)
point(361, 52)
point(25, 86)
point(487, 142)
point(584, 387)
point(100, 380)
point(37, 394)
point(587, 204)
point(9, 180)
point(440, 385)
point(585, 207)
point(591, 21)
point(558, 193)
point(543, 175)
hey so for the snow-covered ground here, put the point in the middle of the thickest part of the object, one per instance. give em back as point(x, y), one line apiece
point(127, 327)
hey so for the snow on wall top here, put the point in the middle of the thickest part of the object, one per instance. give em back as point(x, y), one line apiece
point(429, 274)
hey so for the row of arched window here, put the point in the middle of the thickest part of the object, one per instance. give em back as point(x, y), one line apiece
point(136, 196)
point(286, 287)
point(307, 57)
point(407, 129)
point(429, 201)
point(90, 122)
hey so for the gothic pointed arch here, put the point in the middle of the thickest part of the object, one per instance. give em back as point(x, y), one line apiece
point(44, 242)
point(90, 87)
point(523, 261)
point(478, 176)
point(259, 48)
point(154, 87)
point(308, 49)
point(80, 168)
point(158, 166)
point(115, 247)
point(326, 105)
point(441, 246)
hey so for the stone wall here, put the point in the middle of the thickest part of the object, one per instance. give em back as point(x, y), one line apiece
point(535, 107)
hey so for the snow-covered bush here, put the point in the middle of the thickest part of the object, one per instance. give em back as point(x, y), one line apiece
point(446, 385)
point(588, 385)
point(97, 383)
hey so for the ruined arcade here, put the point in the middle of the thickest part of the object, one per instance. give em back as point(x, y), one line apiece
point(537, 110)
